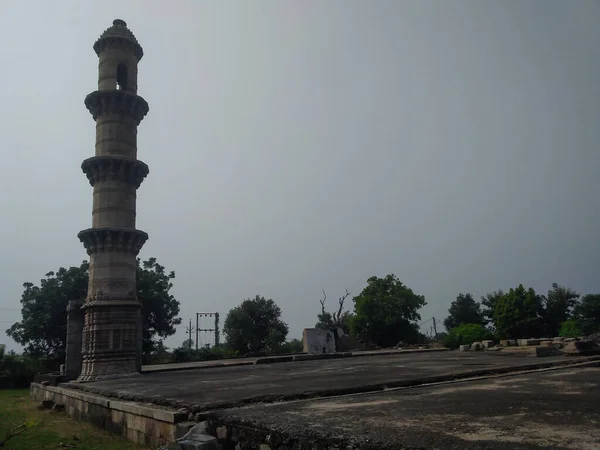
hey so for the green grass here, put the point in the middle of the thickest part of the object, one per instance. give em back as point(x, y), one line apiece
point(48, 430)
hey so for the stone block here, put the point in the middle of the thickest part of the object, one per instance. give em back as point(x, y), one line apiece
point(197, 439)
point(476, 346)
point(546, 351)
point(464, 348)
point(581, 348)
point(487, 344)
point(317, 341)
point(529, 342)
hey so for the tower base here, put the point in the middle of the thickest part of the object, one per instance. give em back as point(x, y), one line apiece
point(111, 340)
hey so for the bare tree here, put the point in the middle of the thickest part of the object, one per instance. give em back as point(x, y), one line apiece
point(329, 320)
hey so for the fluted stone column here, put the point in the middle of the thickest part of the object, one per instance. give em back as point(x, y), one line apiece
point(111, 346)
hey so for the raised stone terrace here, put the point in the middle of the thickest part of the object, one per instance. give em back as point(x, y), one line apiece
point(385, 400)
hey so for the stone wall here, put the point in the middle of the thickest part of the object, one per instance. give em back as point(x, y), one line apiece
point(145, 425)
point(317, 341)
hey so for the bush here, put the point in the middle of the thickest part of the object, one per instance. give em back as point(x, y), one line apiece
point(569, 329)
point(182, 354)
point(467, 333)
point(18, 371)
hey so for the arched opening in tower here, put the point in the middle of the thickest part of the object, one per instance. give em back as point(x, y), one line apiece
point(121, 77)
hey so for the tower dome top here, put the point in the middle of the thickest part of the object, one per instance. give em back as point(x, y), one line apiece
point(118, 34)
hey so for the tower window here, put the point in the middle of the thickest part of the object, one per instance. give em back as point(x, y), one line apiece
point(121, 77)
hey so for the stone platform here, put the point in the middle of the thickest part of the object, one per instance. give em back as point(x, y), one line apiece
point(551, 409)
point(157, 407)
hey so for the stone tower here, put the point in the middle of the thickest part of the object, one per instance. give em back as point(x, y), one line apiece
point(112, 332)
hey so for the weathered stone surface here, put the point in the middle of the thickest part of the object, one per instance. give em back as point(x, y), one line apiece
point(465, 348)
point(581, 348)
point(487, 344)
point(197, 438)
point(529, 342)
point(546, 351)
point(317, 341)
point(111, 337)
point(142, 424)
point(476, 346)
point(75, 323)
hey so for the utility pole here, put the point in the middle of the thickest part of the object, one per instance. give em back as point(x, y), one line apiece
point(197, 315)
point(435, 329)
point(214, 330)
point(189, 331)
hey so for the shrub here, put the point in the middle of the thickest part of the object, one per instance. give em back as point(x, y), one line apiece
point(569, 329)
point(467, 333)
point(182, 354)
point(18, 371)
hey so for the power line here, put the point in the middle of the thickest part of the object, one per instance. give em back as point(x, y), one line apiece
point(428, 320)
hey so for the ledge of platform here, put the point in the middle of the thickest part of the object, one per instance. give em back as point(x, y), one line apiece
point(148, 425)
point(112, 239)
point(115, 168)
point(103, 103)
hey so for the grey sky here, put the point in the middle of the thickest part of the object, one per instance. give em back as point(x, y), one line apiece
point(300, 146)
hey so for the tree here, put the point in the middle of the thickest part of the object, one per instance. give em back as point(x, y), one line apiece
point(386, 311)
point(467, 333)
point(293, 346)
point(558, 308)
point(159, 307)
point(517, 314)
point(255, 326)
point(587, 314)
point(332, 321)
point(187, 344)
point(488, 301)
point(43, 328)
point(569, 329)
point(464, 310)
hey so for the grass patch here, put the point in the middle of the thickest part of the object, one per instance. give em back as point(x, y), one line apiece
point(47, 430)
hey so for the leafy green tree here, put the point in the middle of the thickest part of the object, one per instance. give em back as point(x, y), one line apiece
point(386, 311)
point(488, 301)
point(587, 314)
point(517, 314)
point(467, 333)
point(43, 328)
point(255, 326)
point(188, 344)
point(569, 329)
point(559, 305)
point(293, 346)
point(160, 309)
point(464, 310)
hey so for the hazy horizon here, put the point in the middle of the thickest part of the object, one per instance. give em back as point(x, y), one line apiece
point(301, 146)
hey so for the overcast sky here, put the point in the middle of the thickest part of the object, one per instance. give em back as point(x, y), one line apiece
point(296, 146)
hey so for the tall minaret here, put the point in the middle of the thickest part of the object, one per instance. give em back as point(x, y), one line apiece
point(112, 334)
